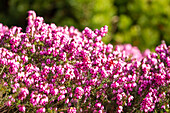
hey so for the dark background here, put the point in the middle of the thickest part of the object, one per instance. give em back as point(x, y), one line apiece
point(143, 23)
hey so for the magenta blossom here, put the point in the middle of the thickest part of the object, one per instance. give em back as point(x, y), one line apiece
point(21, 108)
point(79, 92)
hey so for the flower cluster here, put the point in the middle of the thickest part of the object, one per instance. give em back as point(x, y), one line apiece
point(50, 68)
point(133, 52)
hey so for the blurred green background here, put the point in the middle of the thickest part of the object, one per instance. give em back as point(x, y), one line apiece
point(143, 23)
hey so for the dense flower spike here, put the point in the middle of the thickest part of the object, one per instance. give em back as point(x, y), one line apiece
point(51, 68)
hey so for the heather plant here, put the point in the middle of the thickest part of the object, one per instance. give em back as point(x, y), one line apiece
point(60, 69)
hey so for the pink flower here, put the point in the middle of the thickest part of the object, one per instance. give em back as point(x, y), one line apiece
point(31, 17)
point(35, 98)
point(79, 92)
point(54, 91)
point(8, 103)
point(33, 49)
point(21, 108)
point(163, 107)
point(109, 48)
point(98, 105)
point(119, 97)
point(44, 100)
point(21, 75)
point(24, 58)
point(130, 98)
point(100, 111)
point(23, 94)
point(120, 109)
point(15, 86)
point(67, 100)
point(41, 110)
point(61, 97)
point(11, 99)
point(115, 85)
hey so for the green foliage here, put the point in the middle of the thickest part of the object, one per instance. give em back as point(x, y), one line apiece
point(143, 23)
